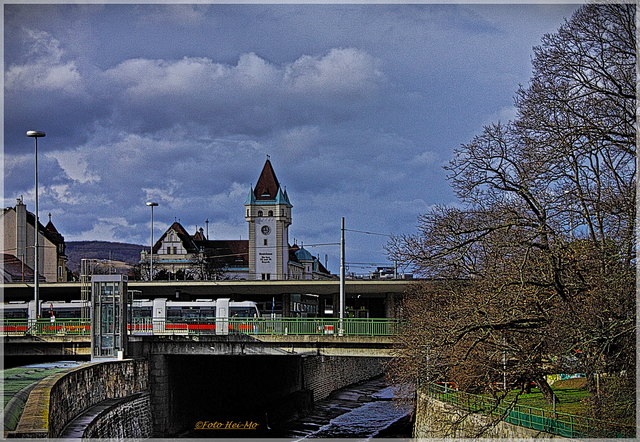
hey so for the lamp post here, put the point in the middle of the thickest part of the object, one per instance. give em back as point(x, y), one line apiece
point(343, 299)
point(36, 267)
point(151, 204)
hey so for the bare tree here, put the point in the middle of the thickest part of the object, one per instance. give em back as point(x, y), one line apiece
point(536, 265)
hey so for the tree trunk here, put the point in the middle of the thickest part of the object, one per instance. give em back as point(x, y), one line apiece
point(546, 390)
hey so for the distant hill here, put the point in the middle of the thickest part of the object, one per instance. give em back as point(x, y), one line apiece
point(127, 254)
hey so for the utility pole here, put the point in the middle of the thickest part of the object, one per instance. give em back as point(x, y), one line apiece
point(342, 270)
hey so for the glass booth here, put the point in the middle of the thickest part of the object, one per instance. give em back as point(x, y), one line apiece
point(108, 316)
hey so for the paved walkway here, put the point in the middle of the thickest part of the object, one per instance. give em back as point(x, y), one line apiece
point(18, 383)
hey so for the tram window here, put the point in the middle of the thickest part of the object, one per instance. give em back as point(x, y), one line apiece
point(142, 312)
point(174, 313)
point(15, 314)
point(242, 312)
point(180, 313)
point(64, 313)
point(207, 313)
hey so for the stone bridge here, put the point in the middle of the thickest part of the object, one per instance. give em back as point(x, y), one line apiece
point(179, 380)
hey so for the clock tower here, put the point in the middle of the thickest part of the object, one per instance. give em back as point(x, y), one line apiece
point(268, 212)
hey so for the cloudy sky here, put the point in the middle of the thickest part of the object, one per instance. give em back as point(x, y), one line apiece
point(358, 106)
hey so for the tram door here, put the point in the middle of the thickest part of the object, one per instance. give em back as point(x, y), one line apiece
point(222, 316)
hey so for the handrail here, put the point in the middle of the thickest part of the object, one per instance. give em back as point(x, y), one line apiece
point(252, 326)
point(548, 421)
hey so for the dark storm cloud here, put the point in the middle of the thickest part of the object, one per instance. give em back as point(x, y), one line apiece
point(358, 106)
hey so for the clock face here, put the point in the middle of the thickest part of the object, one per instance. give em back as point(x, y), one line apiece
point(266, 230)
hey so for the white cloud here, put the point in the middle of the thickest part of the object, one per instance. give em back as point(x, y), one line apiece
point(75, 165)
point(180, 14)
point(298, 142)
point(104, 229)
point(45, 68)
point(502, 115)
point(425, 158)
point(254, 94)
point(342, 71)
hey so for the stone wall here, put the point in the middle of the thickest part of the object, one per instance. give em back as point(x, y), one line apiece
point(58, 399)
point(435, 419)
point(325, 374)
point(88, 385)
point(129, 418)
point(161, 400)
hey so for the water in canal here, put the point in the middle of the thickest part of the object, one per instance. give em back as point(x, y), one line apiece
point(366, 410)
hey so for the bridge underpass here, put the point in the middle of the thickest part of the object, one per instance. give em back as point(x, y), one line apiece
point(262, 379)
point(258, 388)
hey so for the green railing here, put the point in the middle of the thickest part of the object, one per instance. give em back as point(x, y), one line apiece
point(41, 327)
point(268, 326)
point(252, 326)
point(548, 421)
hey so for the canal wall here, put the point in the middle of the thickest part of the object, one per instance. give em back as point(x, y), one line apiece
point(436, 419)
point(59, 399)
point(127, 418)
point(325, 374)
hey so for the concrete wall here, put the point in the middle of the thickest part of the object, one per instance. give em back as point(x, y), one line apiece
point(325, 374)
point(435, 419)
point(58, 399)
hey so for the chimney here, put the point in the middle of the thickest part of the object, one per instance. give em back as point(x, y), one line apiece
point(21, 233)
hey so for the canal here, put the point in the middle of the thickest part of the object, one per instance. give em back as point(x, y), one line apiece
point(367, 410)
point(364, 410)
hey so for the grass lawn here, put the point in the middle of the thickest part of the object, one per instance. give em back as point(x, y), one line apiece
point(569, 400)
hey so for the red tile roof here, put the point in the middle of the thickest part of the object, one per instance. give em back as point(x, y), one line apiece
point(15, 270)
point(268, 185)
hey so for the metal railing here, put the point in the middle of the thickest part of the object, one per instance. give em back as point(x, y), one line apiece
point(251, 326)
point(548, 421)
point(269, 326)
point(22, 327)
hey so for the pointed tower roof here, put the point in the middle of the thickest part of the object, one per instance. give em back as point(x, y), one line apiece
point(281, 198)
point(268, 185)
point(199, 235)
point(251, 198)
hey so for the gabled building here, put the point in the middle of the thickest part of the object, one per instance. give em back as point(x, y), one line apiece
point(266, 255)
point(19, 240)
point(179, 255)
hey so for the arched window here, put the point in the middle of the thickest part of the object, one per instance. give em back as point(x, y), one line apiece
point(259, 212)
point(270, 212)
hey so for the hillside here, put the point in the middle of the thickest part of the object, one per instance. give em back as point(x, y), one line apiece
point(128, 254)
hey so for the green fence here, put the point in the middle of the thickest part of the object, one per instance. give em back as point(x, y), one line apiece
point(268, 326)
point(548, 421)
point(252, 326)
point(41, 327)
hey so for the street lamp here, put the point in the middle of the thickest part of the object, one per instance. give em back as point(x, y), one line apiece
point(151, 204)
point(36, 267)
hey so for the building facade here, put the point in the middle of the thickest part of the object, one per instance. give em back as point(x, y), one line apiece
point(19, 241)
point(266, 255)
